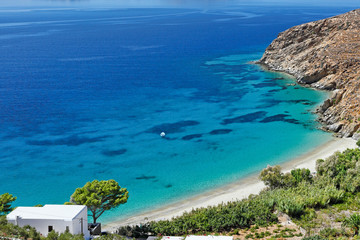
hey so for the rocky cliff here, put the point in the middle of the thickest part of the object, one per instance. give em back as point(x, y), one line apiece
point(324, 54)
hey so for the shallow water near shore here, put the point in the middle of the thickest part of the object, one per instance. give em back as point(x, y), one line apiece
point(85, 93)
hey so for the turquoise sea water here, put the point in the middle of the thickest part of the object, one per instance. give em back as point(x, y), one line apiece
point(86, 91)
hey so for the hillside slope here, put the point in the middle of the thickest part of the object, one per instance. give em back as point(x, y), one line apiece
point(324, 54)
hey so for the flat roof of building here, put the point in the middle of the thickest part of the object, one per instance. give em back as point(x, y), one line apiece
point(209, 237)
point(54, 212)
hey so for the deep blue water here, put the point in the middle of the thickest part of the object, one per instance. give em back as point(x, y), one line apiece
point(85, 93)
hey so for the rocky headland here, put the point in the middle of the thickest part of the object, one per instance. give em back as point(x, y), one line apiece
point(324, 54)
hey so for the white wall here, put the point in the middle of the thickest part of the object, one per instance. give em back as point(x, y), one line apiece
point(41, 219)
point(59, 226)
point(42, 225)
point(76, 227)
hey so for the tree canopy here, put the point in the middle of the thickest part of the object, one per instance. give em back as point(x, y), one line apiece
point(5, 203)
point(341, 169)
point(100, 196)
point(274, 178)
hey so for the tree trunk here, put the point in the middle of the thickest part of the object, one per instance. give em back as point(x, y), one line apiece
point(94, 217)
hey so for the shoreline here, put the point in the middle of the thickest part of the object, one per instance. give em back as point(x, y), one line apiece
point(236, 190)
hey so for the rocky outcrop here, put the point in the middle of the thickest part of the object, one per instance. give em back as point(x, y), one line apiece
point(324, 54)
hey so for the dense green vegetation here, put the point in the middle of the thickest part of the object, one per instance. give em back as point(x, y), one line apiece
point(6, 200)
point(99, 196)
point(257, 210)
point(305, 198)
point(341, 169)
point(298, 194)
point(353, 222)
point(274, 178)
point(9, 231)
point(222, 218)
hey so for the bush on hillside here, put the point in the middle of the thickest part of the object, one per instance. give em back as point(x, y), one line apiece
point(138, 231)
point(274, 178)
point(12, 231)
point(315, 237)
point(301, 175)
point(341, 169)
point(221, 218)
point(293, 193)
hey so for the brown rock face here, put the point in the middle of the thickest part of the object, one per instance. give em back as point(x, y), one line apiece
point(324, 54)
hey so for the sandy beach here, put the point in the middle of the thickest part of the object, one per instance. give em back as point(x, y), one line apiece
point(237, 190)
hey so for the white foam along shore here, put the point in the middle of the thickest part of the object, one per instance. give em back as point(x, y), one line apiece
point(237, 190)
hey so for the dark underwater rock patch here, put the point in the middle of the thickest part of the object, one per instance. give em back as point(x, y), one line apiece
point(144, 177)
point(250, 117)
point(302, 101)
point(73, 140)
point(292, 120)
point(264, 84)
point(251, 77)
point(275, 90)
point(113, 153)
point(268, 94)
point(274, 118)
point(278, 89)
point(269, 103)
point(220, 131)
point(191, 136)
point(172, 127)
point(280, 118)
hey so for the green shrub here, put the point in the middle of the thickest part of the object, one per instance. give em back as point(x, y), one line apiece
point(291, 207)
point(341, 169)
point(296, 194)
point(353, 222)
point(301, 175)
point(248, 236)
point(52, 235)
point(26, 232)
point(257, 210)
point(331, 232)
point(138, 231)
point(315, 237)
point(110, 237)
point(11, 230)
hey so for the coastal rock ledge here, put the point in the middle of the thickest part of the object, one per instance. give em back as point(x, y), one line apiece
point(324, 54)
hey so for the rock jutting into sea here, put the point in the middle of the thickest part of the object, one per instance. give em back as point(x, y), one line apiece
point(324, 54)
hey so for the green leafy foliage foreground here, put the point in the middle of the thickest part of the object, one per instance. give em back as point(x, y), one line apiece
point(9, 231)
point(222, 218)
point(99, 196)
point(256, 210)
point(297, 193)
point(5, 203)
point(293, 193)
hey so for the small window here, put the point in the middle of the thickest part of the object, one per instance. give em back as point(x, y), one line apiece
point(67, 229)
point(50, 228)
